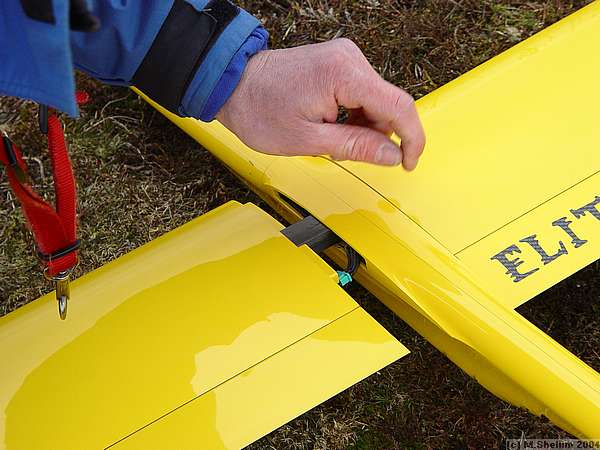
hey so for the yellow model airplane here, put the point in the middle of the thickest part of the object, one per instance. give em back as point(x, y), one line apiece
point(226, 328)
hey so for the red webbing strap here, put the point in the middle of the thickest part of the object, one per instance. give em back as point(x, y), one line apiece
point(54, 230)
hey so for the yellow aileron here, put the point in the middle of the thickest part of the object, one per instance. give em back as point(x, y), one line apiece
point(231, 415)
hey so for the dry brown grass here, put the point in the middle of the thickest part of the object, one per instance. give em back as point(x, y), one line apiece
point(139, 177)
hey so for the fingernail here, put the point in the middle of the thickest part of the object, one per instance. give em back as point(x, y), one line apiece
point(388, 155)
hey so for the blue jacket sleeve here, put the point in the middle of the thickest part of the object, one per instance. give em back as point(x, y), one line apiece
point(256, 42)
point(128, 31)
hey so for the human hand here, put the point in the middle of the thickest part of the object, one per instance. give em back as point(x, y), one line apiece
point(287, 104)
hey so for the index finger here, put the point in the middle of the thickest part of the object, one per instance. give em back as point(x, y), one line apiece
point(384, 102)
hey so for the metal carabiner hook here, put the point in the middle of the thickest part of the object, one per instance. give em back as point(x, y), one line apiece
point(63, 291)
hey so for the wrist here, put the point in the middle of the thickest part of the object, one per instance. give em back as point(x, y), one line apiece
point(229, 80)
point(237, 102)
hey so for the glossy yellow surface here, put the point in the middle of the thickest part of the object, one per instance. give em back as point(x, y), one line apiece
point(421, 279)
point(570, 255)
point(315, 368)
point(165, 324)
point(505, 137)
point(439, 297)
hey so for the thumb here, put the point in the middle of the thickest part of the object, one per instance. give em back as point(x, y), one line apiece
point(350, 142)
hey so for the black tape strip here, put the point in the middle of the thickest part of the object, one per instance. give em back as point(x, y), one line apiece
point(41, 10)
point(47, 257)
point(179, 48)
point(311, 232)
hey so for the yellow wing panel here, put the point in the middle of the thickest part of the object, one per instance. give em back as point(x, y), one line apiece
point(275, 391)
point(547, 244)
point(159, 327)
point(504, 138)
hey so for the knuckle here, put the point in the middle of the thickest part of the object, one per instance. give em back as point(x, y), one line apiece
point(345, 51)
point(346, 44)
point(345, 62)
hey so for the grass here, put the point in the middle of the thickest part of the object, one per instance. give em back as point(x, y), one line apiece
point(139, 177)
